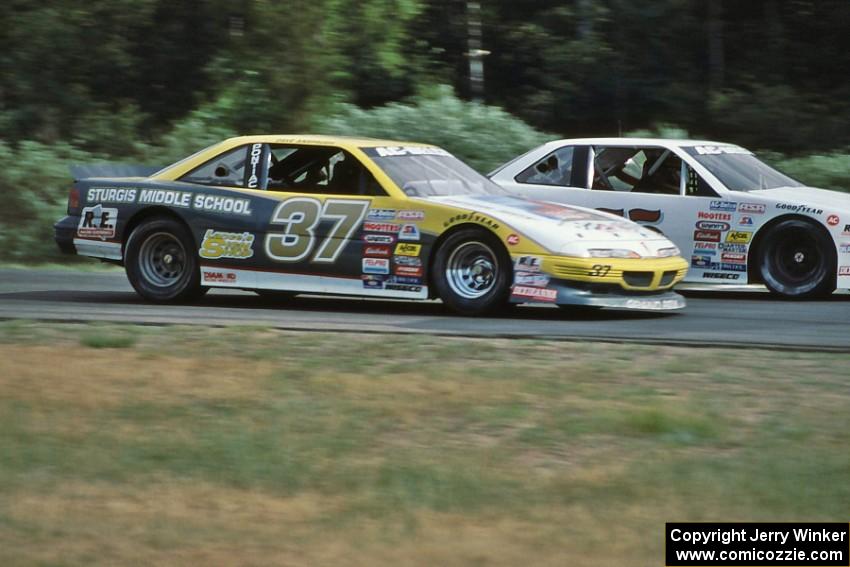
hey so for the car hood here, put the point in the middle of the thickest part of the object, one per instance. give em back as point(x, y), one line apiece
point(563, 229)
point(809, 196)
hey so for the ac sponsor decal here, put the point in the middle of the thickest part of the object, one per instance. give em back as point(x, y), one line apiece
point(381, 227)
point(533, 279)
point(535, 293)
point(844, 270)
point(410, 215)
point(472, 217)
point(407, 261)
point(413, 271)
point(720, 276)
point(752, 208)
point(714, 216)
point(734, 257)
point(217, 244)
point(528, 263)
point(734, 248)
point(376, 266)
point(378, 238)
point(733, 267)
point(799, 209)
point(738, 237)
point(712, 225)
point(380, 214)
point(705, 246)
point(111, 195)
point(704, 262)
point(512, 239)
point(833, 220)
point(256, 152)
point(707, 235)
point(746, 221)
point(97, 222)
point(408, 232)
point(218, 276)
point(377, 250)
point(373, 282)
point(407, 249)
point(723, 206)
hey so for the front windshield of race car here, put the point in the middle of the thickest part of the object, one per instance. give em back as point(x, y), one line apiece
point(430, 172)
point(738, 169)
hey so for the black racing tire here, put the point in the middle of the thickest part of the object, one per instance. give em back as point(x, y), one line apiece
point(161, 262)
point(472, 272)
point(797, 260)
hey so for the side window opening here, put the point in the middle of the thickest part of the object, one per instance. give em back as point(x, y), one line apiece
point(637, 170)
point(317, 169)
point(227, 169)
point(555, 169)
point(696, 186)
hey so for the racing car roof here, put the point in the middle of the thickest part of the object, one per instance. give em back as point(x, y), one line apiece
point(674, 142)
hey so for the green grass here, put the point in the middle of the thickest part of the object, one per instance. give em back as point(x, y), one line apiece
point(144, 444)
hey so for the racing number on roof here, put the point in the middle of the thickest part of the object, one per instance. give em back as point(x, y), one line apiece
point(299, 217)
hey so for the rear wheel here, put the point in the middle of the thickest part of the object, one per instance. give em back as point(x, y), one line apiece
point(797, 261)
point(161, 262)
point(472, 272)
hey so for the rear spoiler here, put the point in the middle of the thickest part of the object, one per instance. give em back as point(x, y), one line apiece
point(112, 170)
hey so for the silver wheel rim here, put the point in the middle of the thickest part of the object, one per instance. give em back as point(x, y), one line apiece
point(472, 269)
point(162, 259)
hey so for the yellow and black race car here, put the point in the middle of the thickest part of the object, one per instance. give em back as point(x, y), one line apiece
point(375, 218)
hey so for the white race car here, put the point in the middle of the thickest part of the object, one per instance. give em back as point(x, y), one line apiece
point(738, 219)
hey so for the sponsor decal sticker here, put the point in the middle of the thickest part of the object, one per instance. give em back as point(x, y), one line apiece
point(738, 237)
point(833, 220)
point(746, 221)
point(705, 246)
point(376, 266)
point(714, 216)
point(373, 282)
point(703, 262)
point(111, 195)
point(846, 231)
point(713, 225)
point(752, 208)
point(698, 252)
point(407, 261)
point(799, 209)
point(378, 238)
point(219, 276)
point(403, 287)
point(410, 215)
point(716, 150)
point(413, 271)
point(733, 267)
point(646, 216)
point(533, 279)
point(720, 276)
point(723, 206)
point(381, 227)
point(97, 222)
point(472, 217)
point(844, 271)
point(380, 214)
point(734, 257)
point(405, 280)
point(528, 263)
point(219, 204)
point(409, 232)
point(535, 293)
point(734, 247)
point(392, 151)
point(707, 235)
point(844, 248)
point(377, 250)
point(653, 303)
point(407, 249)
point(512, 239)
point(217, 244)
point(256, 152)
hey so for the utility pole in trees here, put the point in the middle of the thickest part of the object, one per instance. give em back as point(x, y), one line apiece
point(475, 53)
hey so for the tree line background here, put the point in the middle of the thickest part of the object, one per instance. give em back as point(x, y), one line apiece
point(150, 81)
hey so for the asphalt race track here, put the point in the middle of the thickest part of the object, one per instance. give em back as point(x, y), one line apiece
point(747, 318)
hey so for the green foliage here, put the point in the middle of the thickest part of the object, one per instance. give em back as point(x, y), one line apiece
point(484, 136)
point(828, 171)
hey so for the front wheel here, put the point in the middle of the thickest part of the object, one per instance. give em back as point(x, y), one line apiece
point(797, 261)
point(472, 272)
point(161, 262)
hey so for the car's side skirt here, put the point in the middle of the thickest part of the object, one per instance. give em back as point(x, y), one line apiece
point(98, 249)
